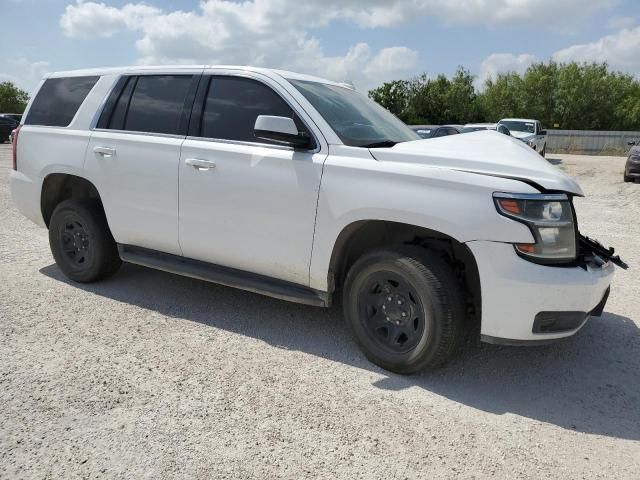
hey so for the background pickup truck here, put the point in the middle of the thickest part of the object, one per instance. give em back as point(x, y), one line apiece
point(529, 131)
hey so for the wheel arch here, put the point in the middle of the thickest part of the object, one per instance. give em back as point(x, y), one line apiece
point(57, 187)
point(362, 236)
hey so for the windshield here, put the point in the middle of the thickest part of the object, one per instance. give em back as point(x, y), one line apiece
point(358, 121)
point(513, 125)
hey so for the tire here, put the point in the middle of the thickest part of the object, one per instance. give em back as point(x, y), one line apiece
point(627, 178)
point(543, 152)
point(81, 242)
point(385, 284)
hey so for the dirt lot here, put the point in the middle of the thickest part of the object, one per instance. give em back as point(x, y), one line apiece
point(150, 375)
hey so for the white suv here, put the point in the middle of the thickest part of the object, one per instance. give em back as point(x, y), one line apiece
point(301, 188)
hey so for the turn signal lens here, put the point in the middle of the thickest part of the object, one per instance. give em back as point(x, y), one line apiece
point(509, 205)
point(525, 247)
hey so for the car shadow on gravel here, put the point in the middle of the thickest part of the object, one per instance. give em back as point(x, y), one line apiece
point(554, 161)
point(589, 383)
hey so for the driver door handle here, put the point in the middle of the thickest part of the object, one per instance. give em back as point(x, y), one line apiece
point(200, 164)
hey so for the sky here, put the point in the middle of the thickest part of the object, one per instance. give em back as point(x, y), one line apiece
point(365, 41)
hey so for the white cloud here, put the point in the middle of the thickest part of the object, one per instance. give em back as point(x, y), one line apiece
point(620, 50)
point(268, 33)
point(24, 73)
point(92, 19)
point(278, 33)
point(502, 63)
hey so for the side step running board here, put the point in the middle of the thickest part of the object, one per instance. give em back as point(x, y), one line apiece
point(223, 275)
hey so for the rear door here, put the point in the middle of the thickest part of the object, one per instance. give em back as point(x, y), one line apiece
point(134, 153)
point(253, 208)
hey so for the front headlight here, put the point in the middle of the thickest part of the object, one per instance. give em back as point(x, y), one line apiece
point(550, 219)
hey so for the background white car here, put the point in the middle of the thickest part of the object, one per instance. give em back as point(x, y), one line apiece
point(529, 131)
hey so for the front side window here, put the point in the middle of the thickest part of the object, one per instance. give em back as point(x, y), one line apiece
point(233, 104)
point(58, 100)
point(357, 120)
point(156, 103)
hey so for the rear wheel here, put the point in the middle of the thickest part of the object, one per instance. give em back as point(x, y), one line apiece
point(404, 308)
point(81, 242)
point(627, 178)
point(543, 152)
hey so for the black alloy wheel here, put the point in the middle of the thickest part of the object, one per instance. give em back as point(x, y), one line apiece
point(81, 242)
point(391, 312)
point(404, 307)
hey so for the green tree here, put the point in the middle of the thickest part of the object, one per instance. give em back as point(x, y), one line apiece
point(394, 96)
point(12, 99)
point(502, 97)
point(538, 92)
point(570, 95)
point(461, 101)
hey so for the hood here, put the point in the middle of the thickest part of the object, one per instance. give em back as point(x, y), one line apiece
point(521, 135)
point(486, 153)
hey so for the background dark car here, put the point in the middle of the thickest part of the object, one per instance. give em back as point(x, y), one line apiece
point(14, 116)
point(7, 125)
point(433, 131)
point(632, 168)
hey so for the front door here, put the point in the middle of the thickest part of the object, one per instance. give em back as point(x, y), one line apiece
point(244, 203)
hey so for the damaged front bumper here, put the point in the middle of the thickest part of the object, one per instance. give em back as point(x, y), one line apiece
point(527, 303)
point(593, 252)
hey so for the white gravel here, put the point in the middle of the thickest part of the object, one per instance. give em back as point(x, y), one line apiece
point(151, 375)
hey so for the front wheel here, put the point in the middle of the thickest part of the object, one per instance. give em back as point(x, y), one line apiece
point(404, 308)
point(81, 242)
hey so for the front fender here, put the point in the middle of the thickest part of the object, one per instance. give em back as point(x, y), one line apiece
point(457, 204)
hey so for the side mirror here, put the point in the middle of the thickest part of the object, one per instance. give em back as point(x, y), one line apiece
point(503, 129)
point(631, 144)
point(542, 132)
point(281, 130)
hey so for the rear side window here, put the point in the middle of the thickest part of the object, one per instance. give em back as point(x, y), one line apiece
point(156, 103)
point(233, 104)
point(58, 101)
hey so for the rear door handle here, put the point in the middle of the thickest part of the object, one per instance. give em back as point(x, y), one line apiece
point(105, 152)
point(200, 164)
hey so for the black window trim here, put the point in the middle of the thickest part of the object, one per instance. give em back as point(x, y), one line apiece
point(113, 97)
point(195, 119)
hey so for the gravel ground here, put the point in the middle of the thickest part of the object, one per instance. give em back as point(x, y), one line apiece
point(151, 375)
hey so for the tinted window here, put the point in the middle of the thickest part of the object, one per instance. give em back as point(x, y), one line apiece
point(233, 104)
point(120, 110)
point(58, 101)
point(157, 102)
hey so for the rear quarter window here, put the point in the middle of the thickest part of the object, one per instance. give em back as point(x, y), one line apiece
point(58, 101)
